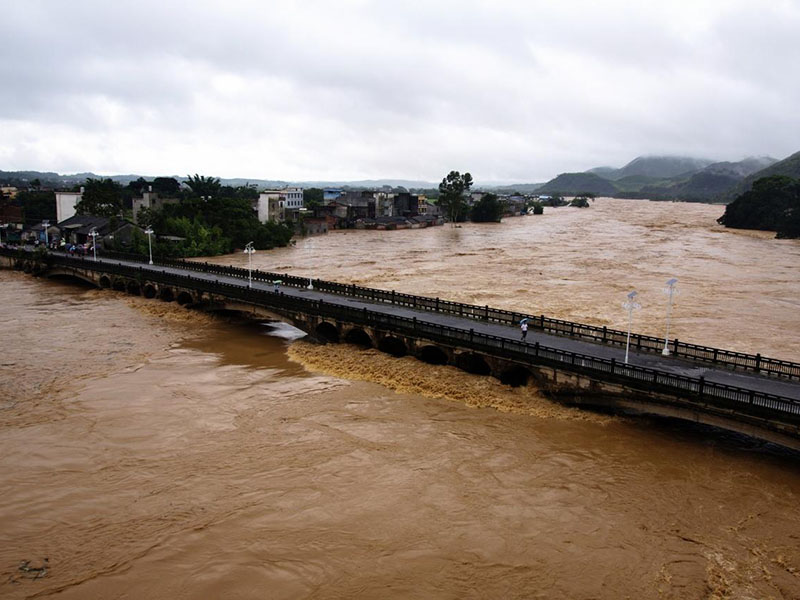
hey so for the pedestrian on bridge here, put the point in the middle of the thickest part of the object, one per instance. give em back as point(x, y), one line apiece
point(523, 325)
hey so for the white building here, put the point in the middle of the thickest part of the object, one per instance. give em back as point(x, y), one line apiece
point(293, 198)
point(270, 206)
point(278, 205)
point(66, 203)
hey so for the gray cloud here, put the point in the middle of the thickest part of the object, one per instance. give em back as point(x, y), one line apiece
point(361, 89)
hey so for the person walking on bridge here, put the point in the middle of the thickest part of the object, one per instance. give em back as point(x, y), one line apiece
point(523, 325)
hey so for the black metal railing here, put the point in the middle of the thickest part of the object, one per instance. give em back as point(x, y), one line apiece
point(640, 342)
point(696, 391)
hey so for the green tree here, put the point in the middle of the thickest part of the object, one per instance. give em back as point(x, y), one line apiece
point(312, 197)
point(772, 204)
point(101, 197)
point(203, 186)
point(166, 186)
point(487, 210)
point(36, 206)
point(138, 186)
point(246, 192)
point(217, 225)
point(451, 195)
point(580, 201)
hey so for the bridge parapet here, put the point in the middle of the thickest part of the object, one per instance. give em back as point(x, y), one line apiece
point(754, 363)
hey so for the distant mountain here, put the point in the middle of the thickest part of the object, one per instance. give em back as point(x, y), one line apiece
point(578, 183)
point(522, 188)
point(369, 183)
point(634, 183)
point(700, 187)
point(49, 179)
point(680, 177)
point(743, 168)
point(662, 166)
point(788, 166)
point(603, 171)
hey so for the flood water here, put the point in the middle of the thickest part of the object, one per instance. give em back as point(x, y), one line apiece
point(148, 450)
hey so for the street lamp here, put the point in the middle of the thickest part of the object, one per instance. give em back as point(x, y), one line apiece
point(249, 250)
point(671, 291)
point(46, 224)
point(149, 232)
point(630, 306)
point(93, 233)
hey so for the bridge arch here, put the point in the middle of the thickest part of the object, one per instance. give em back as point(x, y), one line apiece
point(134, 288)
point(327, 331)
point(359, 337)
point(166, 294)
point(149, 291)
point(433, 355)
point(393, 345)
point(184, 298)
point(515, 376)
point(104, 282)
point(72, 277)
point(118, 284)
point(473, 363)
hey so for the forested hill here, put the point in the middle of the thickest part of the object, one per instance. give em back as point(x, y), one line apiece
point(579, 183)
point(772, 204)
point(660, 166)
point(790, 167)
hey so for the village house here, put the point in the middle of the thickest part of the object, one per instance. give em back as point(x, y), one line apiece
point(151, 201)
point(280, 205)
point(78, 229)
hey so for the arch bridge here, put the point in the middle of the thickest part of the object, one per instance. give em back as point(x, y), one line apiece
point(762, 401)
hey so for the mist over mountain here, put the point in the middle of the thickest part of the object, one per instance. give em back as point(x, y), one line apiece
point(669, 178)
point(658, 166)
point(789, 166)
point(743, 168)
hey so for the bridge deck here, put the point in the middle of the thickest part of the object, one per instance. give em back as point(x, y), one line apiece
point(678, 366)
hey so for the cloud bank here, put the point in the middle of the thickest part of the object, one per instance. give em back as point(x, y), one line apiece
point(357, 89)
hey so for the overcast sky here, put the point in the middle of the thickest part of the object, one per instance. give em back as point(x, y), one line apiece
point(356, 89)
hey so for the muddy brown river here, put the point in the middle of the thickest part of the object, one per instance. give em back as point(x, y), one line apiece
point(150, 451)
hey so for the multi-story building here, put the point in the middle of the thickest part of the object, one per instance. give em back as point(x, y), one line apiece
point(280, 205)
point(66, 203)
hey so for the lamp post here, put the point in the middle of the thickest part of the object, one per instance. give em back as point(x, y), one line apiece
point(93, 233)
point(149, 232)
point(249, 250)
point(630, 306)
point(46, 224)
point(670, 291)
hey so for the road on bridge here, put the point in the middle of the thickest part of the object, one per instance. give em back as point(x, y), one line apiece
point(678, 366)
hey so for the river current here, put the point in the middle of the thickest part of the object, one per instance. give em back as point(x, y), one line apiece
point(148, 450)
